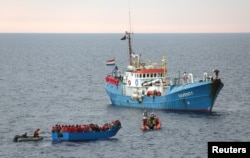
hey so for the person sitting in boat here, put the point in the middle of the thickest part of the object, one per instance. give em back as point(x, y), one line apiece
point(151, 121)
point(24, 135)
point(37, 132)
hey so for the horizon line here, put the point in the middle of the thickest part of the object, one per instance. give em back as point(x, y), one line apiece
point(123, 32)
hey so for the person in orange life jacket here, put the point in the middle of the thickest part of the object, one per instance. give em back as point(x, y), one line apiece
point(37, 132)
point(151, 121)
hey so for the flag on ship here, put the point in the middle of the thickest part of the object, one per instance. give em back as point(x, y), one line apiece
point(124, 37)
point(110, 62)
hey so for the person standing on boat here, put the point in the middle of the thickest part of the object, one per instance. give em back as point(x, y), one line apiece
point(37, 132)
point(145, 117)
point(185, 77)
point(151, 121)
point(216, 73)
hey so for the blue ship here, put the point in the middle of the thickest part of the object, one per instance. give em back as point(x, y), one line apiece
point(146, 85)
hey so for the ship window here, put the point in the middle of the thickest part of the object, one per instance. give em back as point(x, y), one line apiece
point(155, 75)
point(143, 75)
point(151, 75)
point(148, 75)
point(140, 75)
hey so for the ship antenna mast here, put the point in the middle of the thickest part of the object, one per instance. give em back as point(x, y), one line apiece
point(129, 38)
point(130, 28)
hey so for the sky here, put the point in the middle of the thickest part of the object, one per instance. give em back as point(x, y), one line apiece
point(112, 16)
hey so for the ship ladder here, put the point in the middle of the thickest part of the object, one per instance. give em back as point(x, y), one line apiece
point(123, 89)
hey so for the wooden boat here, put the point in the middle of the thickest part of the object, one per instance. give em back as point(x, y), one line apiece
point(85, 132)
point(18, 138)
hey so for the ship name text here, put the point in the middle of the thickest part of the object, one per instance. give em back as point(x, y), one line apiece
point(186, 94)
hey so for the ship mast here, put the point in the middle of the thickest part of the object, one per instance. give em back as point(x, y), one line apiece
point(129, 47)
point(129, 38)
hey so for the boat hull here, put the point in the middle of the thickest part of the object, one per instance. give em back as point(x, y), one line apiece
point(145, 128)
point(199, 96)
point(84, 136)
point(26, 139)
point(149, 125)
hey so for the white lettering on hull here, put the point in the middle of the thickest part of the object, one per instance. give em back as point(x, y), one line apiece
point(186, 94)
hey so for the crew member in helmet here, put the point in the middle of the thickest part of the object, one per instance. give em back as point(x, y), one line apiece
point(151, 121)
point(145, 117)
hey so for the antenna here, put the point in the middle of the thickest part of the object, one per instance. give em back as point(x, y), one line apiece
point(130, 28)
point(128, 36)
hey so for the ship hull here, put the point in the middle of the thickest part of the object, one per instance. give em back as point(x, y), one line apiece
point(199, 96)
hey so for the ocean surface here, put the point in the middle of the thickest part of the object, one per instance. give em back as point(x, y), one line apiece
point(48, 79)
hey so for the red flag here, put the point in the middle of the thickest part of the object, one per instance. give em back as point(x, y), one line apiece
point(110, 62)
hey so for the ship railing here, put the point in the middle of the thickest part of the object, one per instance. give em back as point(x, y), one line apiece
point(181, 81)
